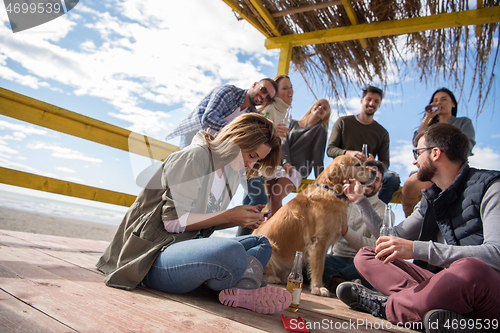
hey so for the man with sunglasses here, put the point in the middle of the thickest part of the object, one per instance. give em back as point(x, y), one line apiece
point(222, 105)
point(452, 237)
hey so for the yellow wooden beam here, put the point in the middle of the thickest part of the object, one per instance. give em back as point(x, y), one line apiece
point(52, 185)
point(354, 20)
point(264, 13)
point(28, 109)
point(234, 6)
point(305, 183)
point(387, 28)
point(284, 60)
point(479, 28)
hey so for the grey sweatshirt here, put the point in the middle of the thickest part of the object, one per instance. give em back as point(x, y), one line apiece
point(304, 148)
point(438, 253)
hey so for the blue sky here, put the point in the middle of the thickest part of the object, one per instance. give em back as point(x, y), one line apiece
point(143, 65)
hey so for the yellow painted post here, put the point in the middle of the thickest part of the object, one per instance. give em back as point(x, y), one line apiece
point(284, 60)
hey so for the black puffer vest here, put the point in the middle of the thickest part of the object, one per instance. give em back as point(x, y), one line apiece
point(456, 210)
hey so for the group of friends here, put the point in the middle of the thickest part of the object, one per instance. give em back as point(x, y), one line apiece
point(243, 137)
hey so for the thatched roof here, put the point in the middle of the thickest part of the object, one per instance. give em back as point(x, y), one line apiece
point(338, 65)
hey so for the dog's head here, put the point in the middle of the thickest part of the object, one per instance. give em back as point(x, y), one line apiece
point(341, 169)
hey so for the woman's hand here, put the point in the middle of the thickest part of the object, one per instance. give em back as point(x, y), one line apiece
point(429, 115)
point(243, 216)
point(389, 248)
point(288, 168)
point(431, 110)
point(282, 129)
point(353, 190)
point(247, 216)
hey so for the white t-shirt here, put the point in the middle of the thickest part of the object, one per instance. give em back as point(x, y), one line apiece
point(179, 225)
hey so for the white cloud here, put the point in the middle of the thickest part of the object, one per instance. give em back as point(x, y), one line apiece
point(75, 180)
point(64, 169)
point(7, 150)
point(21, 128)
point(17, 166)
point(402, 159)
point(65, 153)
point(485, 158)
point(145, 51)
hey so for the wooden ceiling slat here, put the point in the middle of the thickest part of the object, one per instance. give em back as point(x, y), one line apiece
point(303, 9)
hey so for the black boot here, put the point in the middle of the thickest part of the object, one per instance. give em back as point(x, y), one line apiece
point(358, 297)
point(446, 321)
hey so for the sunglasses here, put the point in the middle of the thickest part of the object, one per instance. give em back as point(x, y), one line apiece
point(265, 92)
point(416, 153)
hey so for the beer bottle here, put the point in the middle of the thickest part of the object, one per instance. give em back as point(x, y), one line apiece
point(294, 284)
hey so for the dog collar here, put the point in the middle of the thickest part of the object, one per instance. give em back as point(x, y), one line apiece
point(339, 196)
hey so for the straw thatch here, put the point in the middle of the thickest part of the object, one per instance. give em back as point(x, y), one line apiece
point(335, 67)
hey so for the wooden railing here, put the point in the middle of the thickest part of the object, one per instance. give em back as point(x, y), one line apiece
point(33, 111)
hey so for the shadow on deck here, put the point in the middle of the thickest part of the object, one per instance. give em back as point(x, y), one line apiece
point(50, 284)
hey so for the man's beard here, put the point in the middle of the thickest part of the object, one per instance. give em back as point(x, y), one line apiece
point(374, 191)
point(251, 98)
point(426, 172)
point(369, 113)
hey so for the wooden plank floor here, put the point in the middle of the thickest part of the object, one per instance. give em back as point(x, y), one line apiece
point(50, 284)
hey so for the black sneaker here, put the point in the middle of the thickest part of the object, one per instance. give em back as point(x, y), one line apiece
point(358, 297)
point(333, 283)
point(443, 321)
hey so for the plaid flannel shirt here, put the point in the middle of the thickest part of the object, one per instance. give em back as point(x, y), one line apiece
point(210, 113)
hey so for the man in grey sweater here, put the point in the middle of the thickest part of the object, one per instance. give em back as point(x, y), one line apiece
point(349, 133)
point(452, 236)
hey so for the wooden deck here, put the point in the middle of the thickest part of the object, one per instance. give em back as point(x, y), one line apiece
point(50, 284)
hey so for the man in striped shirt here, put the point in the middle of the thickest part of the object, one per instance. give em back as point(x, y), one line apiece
point(222, 105)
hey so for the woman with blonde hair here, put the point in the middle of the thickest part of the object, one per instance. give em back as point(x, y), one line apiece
point(163, 241)
point(302, 150)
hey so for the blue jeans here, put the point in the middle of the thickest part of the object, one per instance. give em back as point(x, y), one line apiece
point(256, 192)
point(337, 266)
point(256, 196)
point(218, 262)
point(390, 184)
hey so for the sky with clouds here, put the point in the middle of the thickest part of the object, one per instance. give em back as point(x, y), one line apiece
point(143, 65)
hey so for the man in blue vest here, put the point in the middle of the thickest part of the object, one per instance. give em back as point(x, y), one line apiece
point(452, 236)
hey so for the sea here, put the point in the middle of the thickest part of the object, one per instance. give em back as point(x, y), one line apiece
point(72, 208)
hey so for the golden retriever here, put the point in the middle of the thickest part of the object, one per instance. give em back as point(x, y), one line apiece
point(311, 222)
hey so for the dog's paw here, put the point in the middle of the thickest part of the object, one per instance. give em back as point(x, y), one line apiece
point(322, 291)
point(273, 279)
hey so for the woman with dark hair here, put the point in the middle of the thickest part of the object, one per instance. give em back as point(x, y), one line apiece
point(163, 241)
point(442, 108)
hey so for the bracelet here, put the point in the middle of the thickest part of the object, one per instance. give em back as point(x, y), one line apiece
point(427, 120)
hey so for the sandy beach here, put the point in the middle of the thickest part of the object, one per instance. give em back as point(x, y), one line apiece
point(18, 220)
